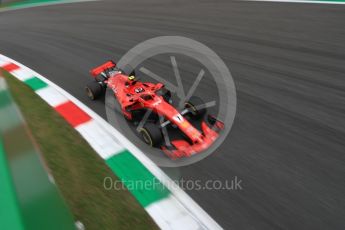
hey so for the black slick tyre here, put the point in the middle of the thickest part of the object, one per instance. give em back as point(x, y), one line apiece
point(151, 134)
point(192, 104)
point(93, 90)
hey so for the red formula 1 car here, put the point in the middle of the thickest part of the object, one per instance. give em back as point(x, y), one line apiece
point(136, 98)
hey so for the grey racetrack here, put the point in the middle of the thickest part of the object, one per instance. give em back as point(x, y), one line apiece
point(287, 144)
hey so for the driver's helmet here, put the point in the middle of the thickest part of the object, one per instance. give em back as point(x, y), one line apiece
point(131, 78)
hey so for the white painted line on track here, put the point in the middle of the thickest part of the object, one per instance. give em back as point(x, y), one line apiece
point(51, 96)
point(106, 146)
point(32, 5)
point(300, 1)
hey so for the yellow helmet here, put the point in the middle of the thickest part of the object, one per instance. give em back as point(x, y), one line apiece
point(131, 78)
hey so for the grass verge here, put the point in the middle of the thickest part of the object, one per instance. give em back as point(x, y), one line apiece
point(78, 171)
point(23, 3)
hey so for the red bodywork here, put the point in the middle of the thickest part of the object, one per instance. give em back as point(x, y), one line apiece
point(134, 95)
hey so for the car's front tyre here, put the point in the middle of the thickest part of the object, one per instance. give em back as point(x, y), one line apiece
point(194, 104)
point(151, 134)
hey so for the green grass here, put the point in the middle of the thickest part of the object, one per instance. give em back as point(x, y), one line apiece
point(20, 3)
point(78, 171)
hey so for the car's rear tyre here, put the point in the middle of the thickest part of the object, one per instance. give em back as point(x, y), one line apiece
point(94, 90)
point(151, 134)
point(192, 105)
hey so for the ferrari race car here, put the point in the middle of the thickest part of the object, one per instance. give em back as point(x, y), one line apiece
point(136, 98)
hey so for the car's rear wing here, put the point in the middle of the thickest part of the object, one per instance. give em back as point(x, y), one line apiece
point(108, 65)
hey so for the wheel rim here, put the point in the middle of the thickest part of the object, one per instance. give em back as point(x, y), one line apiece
point(89, 93)
point(188, 105)
point(146, 136)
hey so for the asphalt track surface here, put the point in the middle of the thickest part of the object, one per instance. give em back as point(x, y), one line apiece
point(287, 144)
